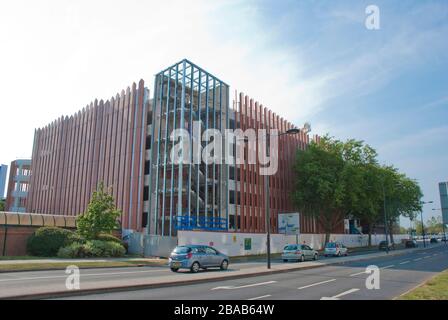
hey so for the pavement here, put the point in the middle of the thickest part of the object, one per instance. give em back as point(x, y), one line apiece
point(154, 282)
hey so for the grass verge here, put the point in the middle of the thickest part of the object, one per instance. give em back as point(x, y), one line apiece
point(12, 267)
point(434, 289)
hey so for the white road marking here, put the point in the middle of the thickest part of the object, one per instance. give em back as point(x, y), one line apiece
point(82, 275)
point(316, 284)
point(336, 297)
point(387, 267)
point(261, 297)
point(426, 257)
point(404, 262)
point(418, 259)
point(245, 286)
point(357, 274)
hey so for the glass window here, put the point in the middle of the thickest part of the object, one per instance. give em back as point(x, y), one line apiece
point(182, 249)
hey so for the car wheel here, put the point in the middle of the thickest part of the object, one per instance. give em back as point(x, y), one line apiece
point(195, 267)
point(285, 260)
point(224, 265)
point(339, 253)
point(316, 256)
point(302, 258)
point(326, 255)
point(174, 269)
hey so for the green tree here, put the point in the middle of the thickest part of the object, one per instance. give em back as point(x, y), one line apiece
point(2, 205)
point(101, 215)
point(402, 195)
point(319, 187)
point(434, 225)
point(363, 184)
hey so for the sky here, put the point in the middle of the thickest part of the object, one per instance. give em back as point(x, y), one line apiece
point(307, 61)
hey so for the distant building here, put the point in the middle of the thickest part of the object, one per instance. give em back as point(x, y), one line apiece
point(443, 190)
point(3, 171)
point(18, 185)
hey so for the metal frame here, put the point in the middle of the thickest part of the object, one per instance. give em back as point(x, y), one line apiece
point(188, 79)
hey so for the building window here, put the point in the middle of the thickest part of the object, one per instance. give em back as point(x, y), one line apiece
point(145, 193)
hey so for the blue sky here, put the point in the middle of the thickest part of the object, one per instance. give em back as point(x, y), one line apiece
point(306, 60)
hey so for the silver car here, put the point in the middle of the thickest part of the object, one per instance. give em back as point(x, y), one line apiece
point(299, 252)
point(335, 249)
point(196, 257)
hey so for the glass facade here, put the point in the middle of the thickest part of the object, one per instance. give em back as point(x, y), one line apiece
point(185, 192)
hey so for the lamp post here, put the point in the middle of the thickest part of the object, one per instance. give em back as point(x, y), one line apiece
point(385, 219)
point(267, 203)
point(423, 226)
point(267, 193)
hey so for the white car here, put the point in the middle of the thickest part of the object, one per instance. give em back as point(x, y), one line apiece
point(299, 252)
point(335, 249)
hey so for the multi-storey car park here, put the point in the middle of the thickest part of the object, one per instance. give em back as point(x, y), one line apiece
point(126, 143)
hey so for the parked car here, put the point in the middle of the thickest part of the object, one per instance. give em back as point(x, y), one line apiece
point(196, 257)
point(384, 244)
point(411, 244)
point(335, 249)
point(433, 240)
point(299, 252)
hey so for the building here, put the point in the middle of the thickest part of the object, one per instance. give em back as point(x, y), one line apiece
point(443, 190)
point(3, 172)
point(18, 185)
point(148, 150)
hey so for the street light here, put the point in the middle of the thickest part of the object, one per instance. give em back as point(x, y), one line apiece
point(423, 226)
point(385, 219)
point(267, 191)
point(267, 203)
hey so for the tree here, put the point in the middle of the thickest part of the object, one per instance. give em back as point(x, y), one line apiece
point(319, 187)
point(2, 205)
point(101, 215)
point(402, 195)
point(434, 225)
point(363, 184)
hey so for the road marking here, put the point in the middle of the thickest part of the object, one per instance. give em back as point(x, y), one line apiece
point(387, 267)
point(357, 274)
point(336, 297)
point(316, 284)
point(82, 274)
point(418, 259)
point(426, 257)
point(404, 262)
point(261, 297)
point(245, 286)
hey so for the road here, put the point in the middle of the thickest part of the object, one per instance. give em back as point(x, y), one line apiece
point(31, 282)
point(398, 274)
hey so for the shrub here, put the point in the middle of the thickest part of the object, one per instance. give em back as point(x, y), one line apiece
point(92, 248)
point(108, 237)
point(75, 237)
point(74, 250)
point(46, 241)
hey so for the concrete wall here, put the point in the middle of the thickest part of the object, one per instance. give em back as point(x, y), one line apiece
point(232, 244)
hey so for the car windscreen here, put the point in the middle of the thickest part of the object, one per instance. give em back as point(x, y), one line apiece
point(290, 247)
point(181, 250)
point(330, 245)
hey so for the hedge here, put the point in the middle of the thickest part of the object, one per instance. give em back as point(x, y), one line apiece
point(92, 248)
point(46, 241)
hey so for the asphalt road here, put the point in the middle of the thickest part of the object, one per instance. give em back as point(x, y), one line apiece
point(19, 283)
point(398, 274)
